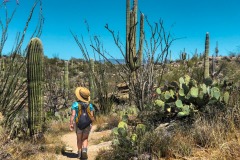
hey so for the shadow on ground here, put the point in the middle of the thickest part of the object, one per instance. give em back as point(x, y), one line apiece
point(70, 154)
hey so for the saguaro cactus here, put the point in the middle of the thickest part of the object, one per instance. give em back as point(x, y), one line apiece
point(66, 82)
point(91, 78)
point(213, 66)
point(35, 85)
point(133, 57)
point(2, 67)
point(183, 55)
point(216, 49)
point(206, 57)
point(170, 57)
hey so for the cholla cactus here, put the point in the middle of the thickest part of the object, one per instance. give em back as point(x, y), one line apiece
point(35, 85)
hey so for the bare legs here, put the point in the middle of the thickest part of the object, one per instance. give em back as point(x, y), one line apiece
point(82, 142)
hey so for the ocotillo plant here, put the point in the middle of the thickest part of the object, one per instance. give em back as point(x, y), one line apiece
point(66, 82)
point(91, 79)
point(133, 57)
point(35, 85)
point(206, 57)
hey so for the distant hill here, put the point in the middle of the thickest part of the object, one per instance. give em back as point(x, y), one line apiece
point(114, 61)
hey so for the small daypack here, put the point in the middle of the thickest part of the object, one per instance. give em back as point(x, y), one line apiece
point(84, 118)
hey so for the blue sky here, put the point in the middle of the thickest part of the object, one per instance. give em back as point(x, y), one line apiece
point(190, 19)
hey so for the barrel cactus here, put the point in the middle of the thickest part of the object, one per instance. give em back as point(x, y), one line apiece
point(35, 85)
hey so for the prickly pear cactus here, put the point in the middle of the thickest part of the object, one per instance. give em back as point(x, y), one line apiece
point(188, 97)
point(35, 85)
point(128, 137)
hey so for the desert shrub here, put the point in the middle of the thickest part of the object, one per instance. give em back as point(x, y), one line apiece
point(234, 108)
point(163, 143)
point(156, 143)
point(229, 150)
point(205, 133)
point(182, 142)
point(215, 127)
point(104, 154)
point(57, 127)
point(104, 122)
point(197, 74)
point(46, 148)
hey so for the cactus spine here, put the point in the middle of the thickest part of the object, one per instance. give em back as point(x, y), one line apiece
point(133, 57)
point(35, 85)
point(206, 57)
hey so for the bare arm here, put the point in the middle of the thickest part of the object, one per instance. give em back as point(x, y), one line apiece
point(71, 119)
point(92, 115)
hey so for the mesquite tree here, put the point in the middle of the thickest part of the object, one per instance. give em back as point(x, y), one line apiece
point(35, 85)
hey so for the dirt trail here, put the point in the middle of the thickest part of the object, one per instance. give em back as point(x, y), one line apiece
point(70, 140)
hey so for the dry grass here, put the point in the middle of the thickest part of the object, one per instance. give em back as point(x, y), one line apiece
point(208, 133)
point(47, 148)
point(105, 122)
point(103, 139)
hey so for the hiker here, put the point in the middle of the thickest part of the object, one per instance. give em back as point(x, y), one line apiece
point(79, 120)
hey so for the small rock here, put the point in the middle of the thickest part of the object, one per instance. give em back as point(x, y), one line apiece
point(68, 149)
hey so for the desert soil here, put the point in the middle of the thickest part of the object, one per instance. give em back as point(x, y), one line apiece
point(94, 145)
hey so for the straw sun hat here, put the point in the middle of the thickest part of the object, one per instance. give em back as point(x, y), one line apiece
point(83, 94)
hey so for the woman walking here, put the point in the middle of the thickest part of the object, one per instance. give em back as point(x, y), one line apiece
point(81, 119)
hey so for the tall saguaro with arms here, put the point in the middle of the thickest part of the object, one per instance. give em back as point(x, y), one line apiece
point(133, 57)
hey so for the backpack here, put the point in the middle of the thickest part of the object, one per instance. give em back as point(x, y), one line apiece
point(84, 118)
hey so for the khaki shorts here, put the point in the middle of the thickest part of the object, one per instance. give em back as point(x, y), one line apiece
point(85, 131)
